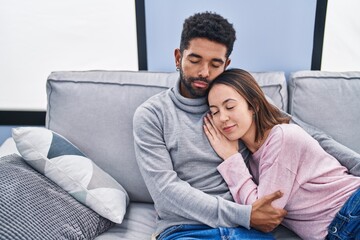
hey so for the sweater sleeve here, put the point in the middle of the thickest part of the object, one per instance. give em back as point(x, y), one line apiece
point(173, 196)
point(273, 171)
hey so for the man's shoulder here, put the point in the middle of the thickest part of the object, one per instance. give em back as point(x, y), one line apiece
point(155, 103)
point(158, 99)
point(153, 111)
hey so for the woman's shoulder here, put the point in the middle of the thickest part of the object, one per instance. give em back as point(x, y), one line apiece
point(288, 128)
point(289, 131)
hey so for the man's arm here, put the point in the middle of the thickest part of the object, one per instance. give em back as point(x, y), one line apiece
point(171, 195)
point(175, 197)
point(264, 216)
point(347, 157)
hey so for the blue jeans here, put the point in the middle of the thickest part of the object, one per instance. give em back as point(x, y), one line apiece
point(187, 232)
point(346, 224)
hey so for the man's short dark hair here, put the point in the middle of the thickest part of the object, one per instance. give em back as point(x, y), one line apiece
point(208, 25)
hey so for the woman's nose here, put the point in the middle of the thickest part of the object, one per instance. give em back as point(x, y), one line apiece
point(224, 117)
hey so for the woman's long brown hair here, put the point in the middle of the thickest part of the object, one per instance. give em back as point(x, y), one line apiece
point(266, 115)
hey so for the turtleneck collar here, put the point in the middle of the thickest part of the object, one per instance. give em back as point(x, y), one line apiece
point(191, 105)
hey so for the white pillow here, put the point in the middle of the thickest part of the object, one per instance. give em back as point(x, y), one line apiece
point(58, 159)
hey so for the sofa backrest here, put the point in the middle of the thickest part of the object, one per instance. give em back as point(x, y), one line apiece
point(274, 85)
point(94, 110)
point(329, 101)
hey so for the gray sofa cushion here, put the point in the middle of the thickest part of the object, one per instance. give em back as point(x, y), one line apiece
point(274, 85)
point(34, 207)
point(328, 101)
point(94, 110)
point(58, 159)
point(139, 223)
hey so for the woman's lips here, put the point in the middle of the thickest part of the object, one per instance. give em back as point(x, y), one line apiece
point(228, 128)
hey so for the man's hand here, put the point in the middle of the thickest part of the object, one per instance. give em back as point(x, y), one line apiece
point(264, 216)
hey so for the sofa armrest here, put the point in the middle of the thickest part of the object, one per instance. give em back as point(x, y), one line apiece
point(346, 156)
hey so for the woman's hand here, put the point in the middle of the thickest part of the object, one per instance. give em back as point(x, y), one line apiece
point(222, 146)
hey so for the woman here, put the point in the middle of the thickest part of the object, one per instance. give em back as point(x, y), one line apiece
point(322, 199)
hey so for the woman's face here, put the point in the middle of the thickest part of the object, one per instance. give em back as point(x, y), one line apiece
point(231, 113)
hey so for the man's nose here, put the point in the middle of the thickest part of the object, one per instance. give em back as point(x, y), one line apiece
point(204, 71)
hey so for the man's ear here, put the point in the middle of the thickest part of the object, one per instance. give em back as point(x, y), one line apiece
point(177, 55)
point(227, 63)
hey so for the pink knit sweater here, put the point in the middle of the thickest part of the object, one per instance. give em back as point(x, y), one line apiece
point(314, 184)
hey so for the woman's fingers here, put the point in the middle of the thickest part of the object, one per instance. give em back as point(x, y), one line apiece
point(210, 123)
point(208, 129)
point(210, 126)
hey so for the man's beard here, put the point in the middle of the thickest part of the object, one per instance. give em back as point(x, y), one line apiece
point(195, 93)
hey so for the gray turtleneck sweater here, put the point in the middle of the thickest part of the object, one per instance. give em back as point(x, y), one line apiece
point(179, 165)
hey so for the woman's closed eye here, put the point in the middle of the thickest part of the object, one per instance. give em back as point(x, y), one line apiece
point(213, 112)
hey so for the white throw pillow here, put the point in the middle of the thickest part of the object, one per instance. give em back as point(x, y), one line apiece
point(58, 159)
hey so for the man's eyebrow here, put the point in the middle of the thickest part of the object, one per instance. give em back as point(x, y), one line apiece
point(219, 60)
point(194, 55)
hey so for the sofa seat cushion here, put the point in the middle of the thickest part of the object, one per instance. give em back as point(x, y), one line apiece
point(34, 207)
point(328, 101)
point(138, 223)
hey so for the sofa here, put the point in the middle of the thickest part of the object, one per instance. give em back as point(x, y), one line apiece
point(90, 113)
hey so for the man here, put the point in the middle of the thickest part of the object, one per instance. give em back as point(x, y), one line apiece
point(174, 156)
point(176, 160)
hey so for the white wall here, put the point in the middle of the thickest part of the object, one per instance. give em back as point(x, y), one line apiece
point(41, 36)
point(341, 49)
